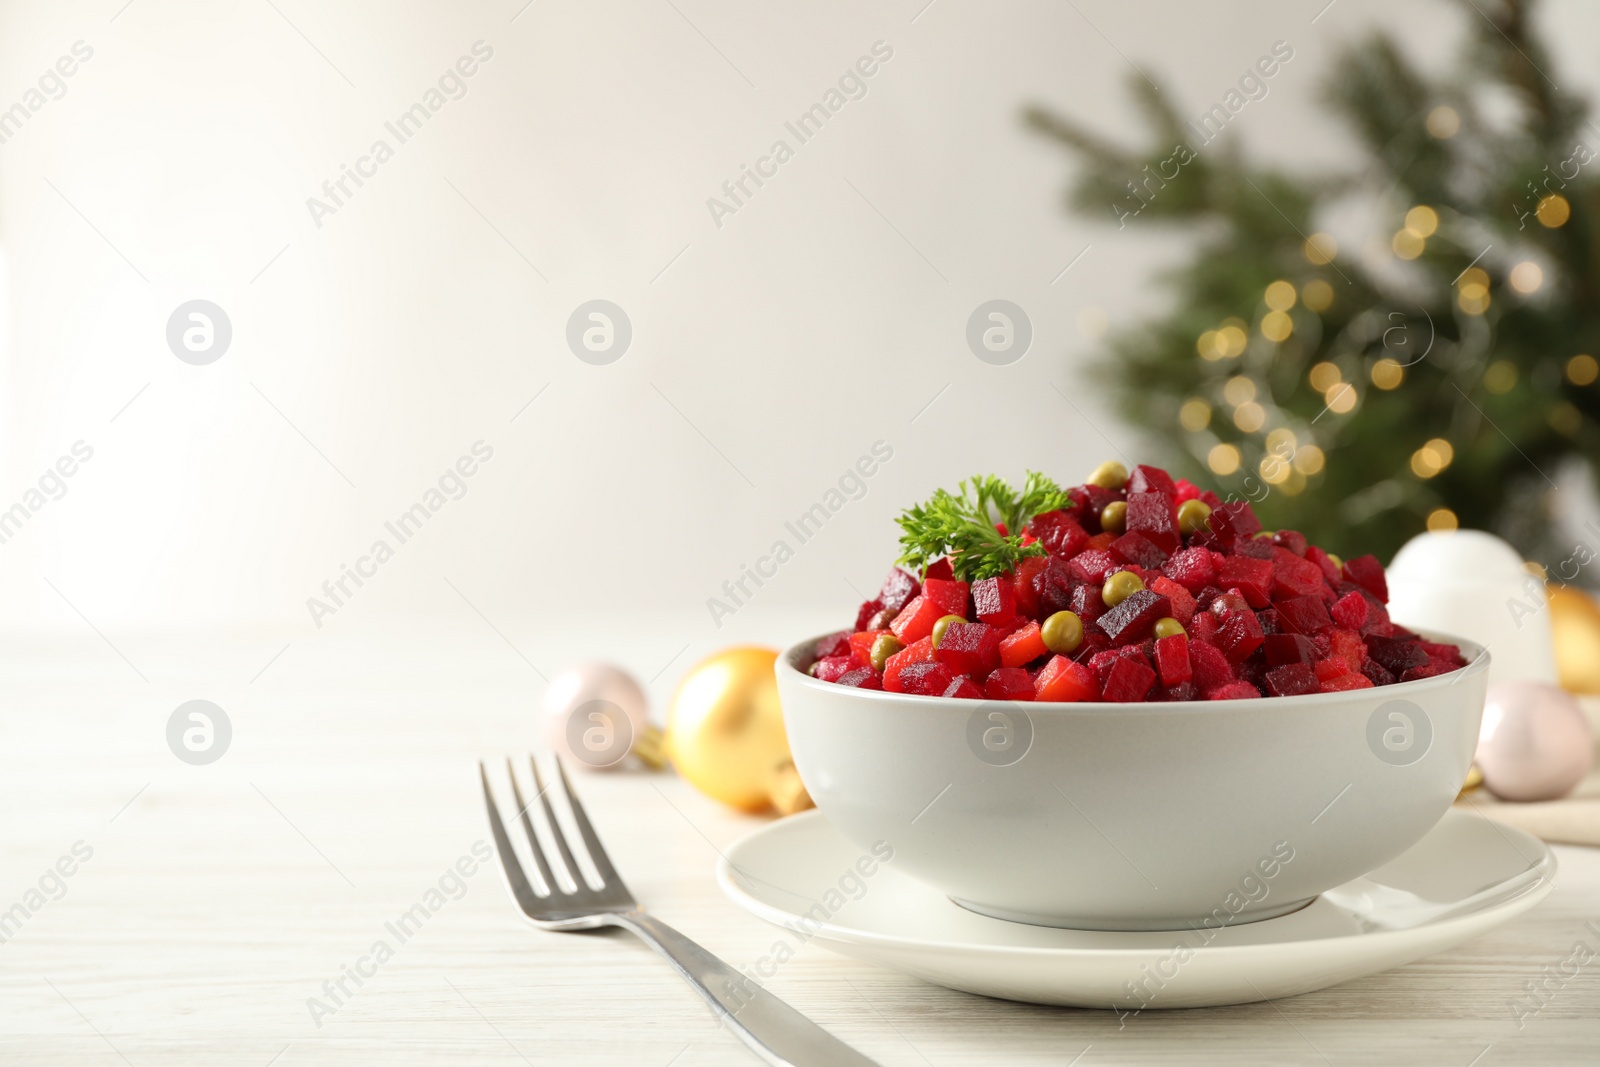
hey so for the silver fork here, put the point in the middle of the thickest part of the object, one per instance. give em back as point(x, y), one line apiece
point(777, 1032)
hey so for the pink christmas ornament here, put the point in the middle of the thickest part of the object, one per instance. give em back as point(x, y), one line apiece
point(1535, 742)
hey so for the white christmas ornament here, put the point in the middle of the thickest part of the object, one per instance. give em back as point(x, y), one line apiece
point(1535, 743)
point(594, 714)
point(1471, 584)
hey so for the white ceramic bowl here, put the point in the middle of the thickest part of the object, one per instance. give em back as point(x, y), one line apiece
point(1135, 816)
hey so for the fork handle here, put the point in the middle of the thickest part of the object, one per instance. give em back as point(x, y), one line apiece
point(778, 1033)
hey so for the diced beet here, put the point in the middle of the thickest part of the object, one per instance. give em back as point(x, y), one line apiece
point(1102, 662)
point(831, 668)
point(1253, 669)
point(898, 589)
point(1152, 515)
point(1252, 577)
point(1085, 602)
point(1008, 683)
point(926, 679)
point(993, 600)
point(916, 620)
point(1367, 572)
point(941, 569)
point(1137, 548)
point(1350, 611)
point(1094, 643)
point(1268, 618)
point(1320, 558)
point(1060, 533)
point(1378, 620)
point(1181, 691)
point(1303, 615)
point(1131, 620)
point(1022, 585)
point(1151, 479)
point(1293, 576)
point(1204, 627)
point(1022, 647)
point(1293, 540)
point(1210, 666)
point(1185, 491)
point(1192, 568)
point(1449, 653)
point(920, 652)
point(1101, 542)
point(1395, 654)
point(962, 688)
point(1054, 586)
point(1092, 565)
point(1289, 648)
point(1234, 691)
point(1172, 660)
point(1291, 680)
point(1063, 680)
point(866, 611)
point(1376, 672)
point(1182, 600)
point(969, 648)
point(1130, 679)
point(1233, 522)
point(1343, 683)
point(1254, 548)
point(1088, 501)
point(1010, 626)
point(1426, 670)
point(1239, 635)
point(951, 596)
point(839, 645)
point(862, 678)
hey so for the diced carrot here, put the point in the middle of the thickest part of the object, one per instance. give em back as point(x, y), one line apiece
point(1022, 647)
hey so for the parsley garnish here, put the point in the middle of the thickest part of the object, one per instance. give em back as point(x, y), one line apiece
point(962, 526)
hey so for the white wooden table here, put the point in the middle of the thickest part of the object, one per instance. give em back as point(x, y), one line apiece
point(219, 899)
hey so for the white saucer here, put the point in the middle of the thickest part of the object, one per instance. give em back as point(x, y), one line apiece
point(1468, 875)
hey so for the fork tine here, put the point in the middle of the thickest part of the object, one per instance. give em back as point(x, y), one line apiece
point(602, 863)
point(537, 849)
point(525, 897)
point(556, 832)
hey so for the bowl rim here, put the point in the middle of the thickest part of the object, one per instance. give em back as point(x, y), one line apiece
point(1477, 663)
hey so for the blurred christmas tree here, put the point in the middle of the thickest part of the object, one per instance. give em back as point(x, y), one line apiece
point(1432, 378)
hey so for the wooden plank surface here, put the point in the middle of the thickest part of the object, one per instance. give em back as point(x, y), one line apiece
point(218, 900)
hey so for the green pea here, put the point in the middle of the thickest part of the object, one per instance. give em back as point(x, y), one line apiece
point(942, 625)
point(1114, 517)
point(1062, 633)
point(885, 646)
point(1119, 587)
point(1168, 627)
point(1109, 475)
point(1192, 516)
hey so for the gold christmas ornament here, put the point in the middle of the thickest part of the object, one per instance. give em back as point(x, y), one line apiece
point(725, 732)
point(786, 791)
point(1575, 618)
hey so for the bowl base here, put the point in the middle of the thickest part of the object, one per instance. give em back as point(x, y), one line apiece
point(1069, 922)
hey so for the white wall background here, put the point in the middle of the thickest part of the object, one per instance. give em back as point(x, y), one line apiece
point(178, 163)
